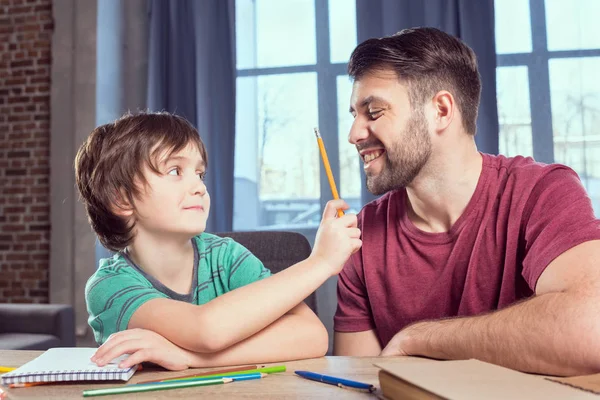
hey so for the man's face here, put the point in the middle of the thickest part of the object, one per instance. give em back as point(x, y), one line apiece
point(391, 137)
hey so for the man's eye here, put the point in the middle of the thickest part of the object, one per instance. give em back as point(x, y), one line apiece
point(173, 171)
point(375, 114)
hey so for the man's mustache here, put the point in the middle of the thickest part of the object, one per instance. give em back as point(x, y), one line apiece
point(370, 144)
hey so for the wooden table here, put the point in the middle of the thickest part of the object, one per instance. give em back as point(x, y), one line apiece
point(275, 386)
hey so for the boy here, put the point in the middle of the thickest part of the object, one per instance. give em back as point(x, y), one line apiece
point(172, 294)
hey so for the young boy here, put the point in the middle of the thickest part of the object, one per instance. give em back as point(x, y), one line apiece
point(172, 294)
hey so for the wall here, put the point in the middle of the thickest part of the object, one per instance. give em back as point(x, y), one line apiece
point(25, 56)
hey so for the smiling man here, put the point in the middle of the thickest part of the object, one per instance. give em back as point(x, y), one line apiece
point(466, 255)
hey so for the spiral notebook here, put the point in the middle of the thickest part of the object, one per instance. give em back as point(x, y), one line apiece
point(68, 364)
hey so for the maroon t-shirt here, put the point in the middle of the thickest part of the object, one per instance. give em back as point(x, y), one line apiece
point(522, 215)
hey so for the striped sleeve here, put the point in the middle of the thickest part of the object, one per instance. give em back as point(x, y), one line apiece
point(244, 267)
point(112, 295)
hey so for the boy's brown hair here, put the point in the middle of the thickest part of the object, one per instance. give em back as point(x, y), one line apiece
point(109, 167)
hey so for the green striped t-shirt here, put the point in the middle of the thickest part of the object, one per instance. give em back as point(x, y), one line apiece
point(119, 287)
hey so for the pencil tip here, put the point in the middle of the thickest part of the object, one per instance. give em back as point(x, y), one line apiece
point(317, 133)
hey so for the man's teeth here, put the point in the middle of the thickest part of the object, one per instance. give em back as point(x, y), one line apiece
point(371, 156)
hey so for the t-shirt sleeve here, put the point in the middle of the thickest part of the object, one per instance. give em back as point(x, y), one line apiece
point(353, 312)
point(244, 267)
point(112, 296)
point(558, 216)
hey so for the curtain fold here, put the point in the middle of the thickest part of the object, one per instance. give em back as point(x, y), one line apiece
point(472, 21)
point(191, 72)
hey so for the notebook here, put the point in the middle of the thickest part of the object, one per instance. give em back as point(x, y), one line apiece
point(68, 364)
point(467, 379)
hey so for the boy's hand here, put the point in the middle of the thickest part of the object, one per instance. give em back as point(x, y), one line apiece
point(337, 238)
point(141, 345)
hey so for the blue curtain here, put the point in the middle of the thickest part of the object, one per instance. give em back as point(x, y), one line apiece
point(191, 72)
point(470, 20)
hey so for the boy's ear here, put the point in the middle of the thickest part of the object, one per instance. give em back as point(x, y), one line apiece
point(122, 206)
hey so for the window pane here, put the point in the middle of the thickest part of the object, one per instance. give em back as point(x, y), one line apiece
point(514, 111)
point(575, 93)
point(275, 33)
point(349, 159)
point(342, 29)
point(573, 24)
point(513, 26)
point(276, 154)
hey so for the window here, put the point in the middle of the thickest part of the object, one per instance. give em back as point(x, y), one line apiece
point(291, 74)
point(548, 92)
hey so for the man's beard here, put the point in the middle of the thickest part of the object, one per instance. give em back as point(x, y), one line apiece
point(403, 159)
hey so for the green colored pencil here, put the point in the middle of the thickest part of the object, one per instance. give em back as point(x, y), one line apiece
point(153, 387)
point(267, 370)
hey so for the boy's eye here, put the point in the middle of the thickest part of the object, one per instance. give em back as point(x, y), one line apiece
point(202, 175)
point(174, 171)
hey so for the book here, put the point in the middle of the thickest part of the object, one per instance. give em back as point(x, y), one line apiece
point(467, 379)
point(63, 364)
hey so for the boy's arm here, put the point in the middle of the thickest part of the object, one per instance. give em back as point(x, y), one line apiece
point(297, 335)
point(241, 313)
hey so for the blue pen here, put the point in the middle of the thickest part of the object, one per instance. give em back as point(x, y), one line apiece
point(339, 382)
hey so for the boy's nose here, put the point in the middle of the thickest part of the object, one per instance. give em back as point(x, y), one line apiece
point(198, 187)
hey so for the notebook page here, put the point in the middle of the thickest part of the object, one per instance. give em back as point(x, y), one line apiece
point(67, 364)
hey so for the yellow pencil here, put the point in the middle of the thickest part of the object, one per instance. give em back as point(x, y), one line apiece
point(334, 191)
point(7, 369)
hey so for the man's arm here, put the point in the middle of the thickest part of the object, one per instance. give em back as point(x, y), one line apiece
point(297, 335)
point(557, 332)
point(356, 343)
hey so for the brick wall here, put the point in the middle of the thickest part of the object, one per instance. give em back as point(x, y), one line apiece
point(25, 60)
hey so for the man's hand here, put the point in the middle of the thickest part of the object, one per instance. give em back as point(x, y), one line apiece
point(142, 345)
point(405, 342)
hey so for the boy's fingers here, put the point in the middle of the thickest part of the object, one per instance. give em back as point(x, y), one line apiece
point(332, 206)
point(349, 220)
point(136, 358)
point(113, 340)
point(355, 233)
point(128, 346)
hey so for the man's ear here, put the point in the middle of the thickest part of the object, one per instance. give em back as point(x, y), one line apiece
point(444, 108)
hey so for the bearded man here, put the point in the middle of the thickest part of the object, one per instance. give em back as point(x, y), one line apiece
point(466, 255)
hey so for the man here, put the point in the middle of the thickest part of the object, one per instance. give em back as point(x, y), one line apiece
point(466, 255)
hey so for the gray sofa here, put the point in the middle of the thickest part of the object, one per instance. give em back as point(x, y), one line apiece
point(36, 326)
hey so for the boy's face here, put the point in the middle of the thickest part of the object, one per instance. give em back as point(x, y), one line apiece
point(176, 201)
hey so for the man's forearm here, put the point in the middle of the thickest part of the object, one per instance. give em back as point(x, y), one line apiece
point(292, 337)
point(549, 334)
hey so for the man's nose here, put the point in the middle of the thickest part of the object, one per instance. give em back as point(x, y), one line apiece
point(358, 131)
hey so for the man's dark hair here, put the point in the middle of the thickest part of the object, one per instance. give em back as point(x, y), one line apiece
point(110, 163)
point(428, 60)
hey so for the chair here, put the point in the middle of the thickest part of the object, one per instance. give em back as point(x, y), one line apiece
point(276, 250)
point(36, 326)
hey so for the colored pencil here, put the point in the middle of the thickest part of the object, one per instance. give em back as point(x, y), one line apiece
point(153, 387)
point(334, 191)
point(266, 370)
point(27, 384)
point(236, 378)
point(207, 373)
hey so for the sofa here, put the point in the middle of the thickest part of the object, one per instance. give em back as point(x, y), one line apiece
point(36, 326)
